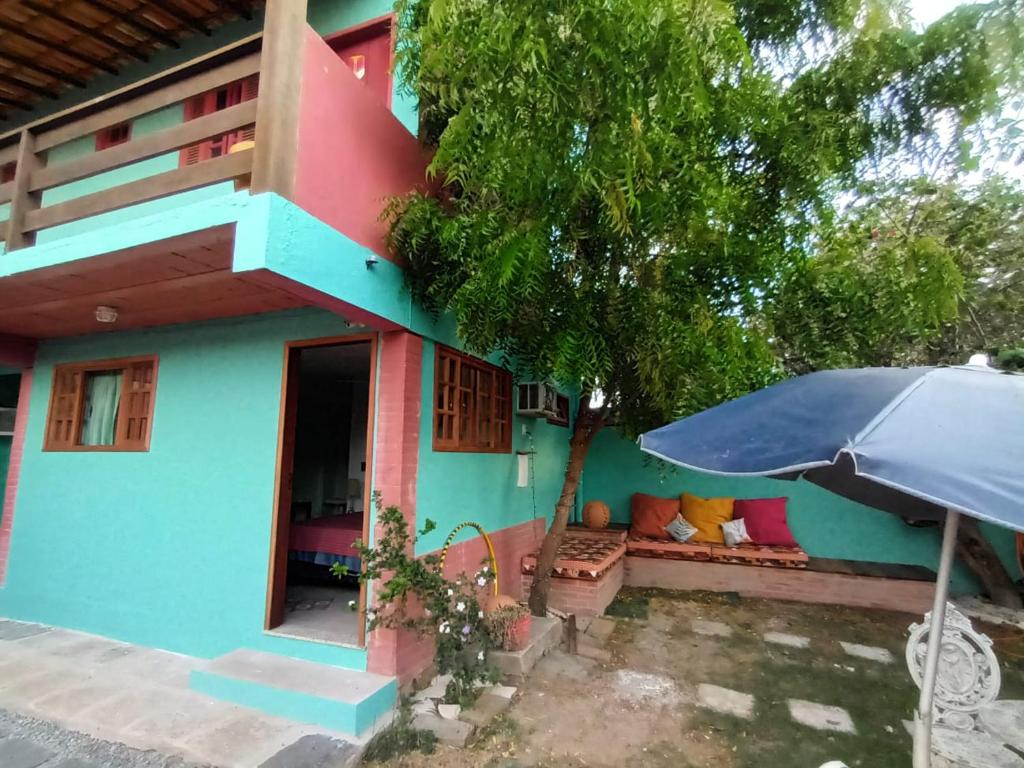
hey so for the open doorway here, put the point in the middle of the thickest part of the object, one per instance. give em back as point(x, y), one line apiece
point(323, 498)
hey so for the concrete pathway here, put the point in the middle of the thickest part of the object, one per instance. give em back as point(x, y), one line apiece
point(137, 698)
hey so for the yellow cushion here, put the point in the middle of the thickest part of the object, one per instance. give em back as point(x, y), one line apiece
point(707, 516)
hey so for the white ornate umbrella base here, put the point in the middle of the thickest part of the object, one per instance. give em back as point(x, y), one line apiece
point(971, 749)
point(1004, 720)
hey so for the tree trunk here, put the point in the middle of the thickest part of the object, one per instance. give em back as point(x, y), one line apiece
point(979, 555)
point(587, 426)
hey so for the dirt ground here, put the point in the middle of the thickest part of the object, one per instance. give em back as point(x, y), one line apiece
point(638, 708)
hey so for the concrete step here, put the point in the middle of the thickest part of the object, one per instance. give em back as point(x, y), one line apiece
point(344, 700)
point(545, 635)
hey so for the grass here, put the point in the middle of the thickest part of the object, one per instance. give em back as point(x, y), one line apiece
point(399, 738)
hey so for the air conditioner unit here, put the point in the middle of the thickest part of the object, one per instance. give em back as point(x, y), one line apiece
point(538, 398)
point(7, 421)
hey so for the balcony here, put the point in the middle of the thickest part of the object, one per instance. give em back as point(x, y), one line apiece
point(313, 137)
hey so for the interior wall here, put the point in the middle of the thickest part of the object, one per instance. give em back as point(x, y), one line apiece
point(322, 443)
point(824, 524)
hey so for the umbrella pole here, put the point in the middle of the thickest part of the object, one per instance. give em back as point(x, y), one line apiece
point(923, 715)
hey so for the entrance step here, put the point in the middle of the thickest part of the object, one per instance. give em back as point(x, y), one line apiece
point(545, 635)
point(344, 700)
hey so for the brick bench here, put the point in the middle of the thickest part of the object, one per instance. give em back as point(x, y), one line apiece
point(800, 584)
point(588, 571)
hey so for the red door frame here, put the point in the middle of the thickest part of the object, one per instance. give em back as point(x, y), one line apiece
point(335, 40)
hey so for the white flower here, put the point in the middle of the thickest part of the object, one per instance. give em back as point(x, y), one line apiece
point(427, 612)
point(370, 615)
point(460, 606)
point(480, 656)
point(482, 581)
point(451, 592)
point(486, 569)
point(351, 603)
point(480, 615)
point(443, 627)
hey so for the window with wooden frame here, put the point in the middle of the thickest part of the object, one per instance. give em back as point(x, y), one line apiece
point(214, 101)
point(7, 171)
point(112, 136)
point(472, 404)
point(104, 405)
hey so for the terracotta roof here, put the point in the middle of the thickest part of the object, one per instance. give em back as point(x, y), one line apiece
point(50, 46)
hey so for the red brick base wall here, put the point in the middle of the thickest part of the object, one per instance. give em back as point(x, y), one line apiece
point(782, 584)
point(583, 597)
point(510, 544)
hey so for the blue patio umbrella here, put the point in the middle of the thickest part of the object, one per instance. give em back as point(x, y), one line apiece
point(924, 442)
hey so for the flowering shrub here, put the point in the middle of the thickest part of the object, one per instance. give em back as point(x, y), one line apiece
point(411, 593)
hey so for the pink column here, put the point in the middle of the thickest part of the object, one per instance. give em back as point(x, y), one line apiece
point(14, 469)
point(396, 455)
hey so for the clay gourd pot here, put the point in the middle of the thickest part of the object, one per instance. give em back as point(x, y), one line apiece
point(596, 514)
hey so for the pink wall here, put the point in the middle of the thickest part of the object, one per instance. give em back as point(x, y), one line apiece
point(353, 153)
point(396, 454)
point(14, 470)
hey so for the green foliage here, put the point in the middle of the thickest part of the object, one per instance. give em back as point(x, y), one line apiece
point(915, 272)
point(398, 739)
point(1011, 360)
point(411, 593)
point(624, 182)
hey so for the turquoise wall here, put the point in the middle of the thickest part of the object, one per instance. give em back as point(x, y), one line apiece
point(453, 487)
point(9, 384)
point(325, 16)
point(824, 524)
point(168, 548)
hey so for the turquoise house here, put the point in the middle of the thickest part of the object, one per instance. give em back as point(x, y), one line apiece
point(212, 360)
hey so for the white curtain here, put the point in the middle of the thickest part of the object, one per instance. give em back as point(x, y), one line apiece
point(102, 397)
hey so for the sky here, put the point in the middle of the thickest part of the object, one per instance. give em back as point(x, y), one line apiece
point(927, 11)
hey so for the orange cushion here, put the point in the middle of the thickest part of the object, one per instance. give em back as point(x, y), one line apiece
point(650, 514)
point(707, 516)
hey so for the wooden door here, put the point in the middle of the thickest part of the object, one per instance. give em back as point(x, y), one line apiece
point(283, 515)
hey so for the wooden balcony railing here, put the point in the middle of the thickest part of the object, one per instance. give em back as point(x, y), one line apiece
point(271, 112)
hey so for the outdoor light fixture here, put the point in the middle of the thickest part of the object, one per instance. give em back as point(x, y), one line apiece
point(371, 261)
point(106, 314)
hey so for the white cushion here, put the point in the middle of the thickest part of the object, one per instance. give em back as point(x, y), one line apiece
point(680, 530)
point(735, 532)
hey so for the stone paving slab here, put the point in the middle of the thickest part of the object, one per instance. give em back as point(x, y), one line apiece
point(711, 628)
point(725, 700)
point(454, 733)
point(246, 740)
point(791, 641)
point(972, 749)
point(15, 630)
point(69, 702)
point(821, 716)
point(22, 753)
point(73, 762)
point(869, 652)
point(601, 628)
point(315, 751)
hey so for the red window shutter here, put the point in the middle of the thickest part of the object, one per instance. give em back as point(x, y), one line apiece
point(7, 171)
point(136, 405)
point(114, 135)
point(213, 101)
point(67, 402)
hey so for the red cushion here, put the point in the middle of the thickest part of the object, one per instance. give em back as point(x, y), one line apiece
point(766, 521)
point(650, 514)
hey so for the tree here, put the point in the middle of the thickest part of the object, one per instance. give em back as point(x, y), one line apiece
point(624, 181)
point(904, 252)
